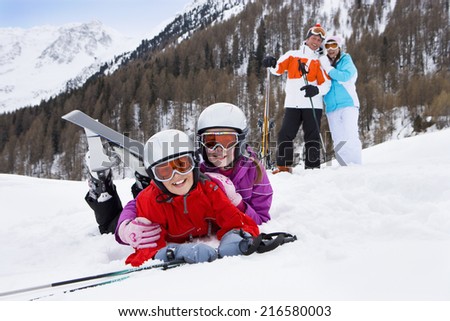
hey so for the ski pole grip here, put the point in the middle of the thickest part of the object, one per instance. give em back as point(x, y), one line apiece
point(302, 67)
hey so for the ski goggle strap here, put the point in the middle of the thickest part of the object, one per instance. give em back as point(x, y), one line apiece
point(212, 140)
point(318, 31)
point(331, 45)
point(165, 171)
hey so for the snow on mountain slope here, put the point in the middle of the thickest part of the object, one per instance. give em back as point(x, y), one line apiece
point(36, 63)
point(41, 62)
point(374, 232)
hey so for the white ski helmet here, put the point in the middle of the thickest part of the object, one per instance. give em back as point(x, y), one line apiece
point(166, 144)
point(222, 115)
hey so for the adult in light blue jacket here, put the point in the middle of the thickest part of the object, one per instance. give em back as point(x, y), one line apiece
point(341, 102)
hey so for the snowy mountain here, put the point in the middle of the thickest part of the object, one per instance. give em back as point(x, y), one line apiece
point(41, 62)
point(374, 232)
point(38, 63)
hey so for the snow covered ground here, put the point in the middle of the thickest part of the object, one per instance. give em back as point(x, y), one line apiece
point(380, 231)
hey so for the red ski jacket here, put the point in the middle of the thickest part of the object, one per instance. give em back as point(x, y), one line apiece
point(195, 214)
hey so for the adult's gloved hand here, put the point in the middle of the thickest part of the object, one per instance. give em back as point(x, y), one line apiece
point(310, 90)
point(320, 50)
point(227, 186)
point(269, 61)
point(325, 63)
point(235, 242)
point(188, 252)
point(140, 233)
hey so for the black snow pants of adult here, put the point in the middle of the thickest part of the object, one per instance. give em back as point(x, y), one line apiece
point(293, 119)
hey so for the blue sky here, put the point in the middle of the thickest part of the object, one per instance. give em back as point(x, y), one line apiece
point(130, 17)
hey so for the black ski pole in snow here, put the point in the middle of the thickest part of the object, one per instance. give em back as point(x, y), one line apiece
point(164, 266)
point(264, 242)
point(83, 287)
point(302, 67)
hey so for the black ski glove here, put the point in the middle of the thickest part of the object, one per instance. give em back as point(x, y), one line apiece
point(310, 90)
point(269, 61)
point(320, 51)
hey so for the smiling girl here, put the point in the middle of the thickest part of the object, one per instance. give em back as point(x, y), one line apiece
point(186, 205)
point(221, 132)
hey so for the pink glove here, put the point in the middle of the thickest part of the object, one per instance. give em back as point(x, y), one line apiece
point(228, 187)
point(140, 233)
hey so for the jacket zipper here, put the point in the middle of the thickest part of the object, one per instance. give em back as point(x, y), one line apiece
point(185, 204)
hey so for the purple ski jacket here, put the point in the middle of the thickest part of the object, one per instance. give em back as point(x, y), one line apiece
point(257, 196)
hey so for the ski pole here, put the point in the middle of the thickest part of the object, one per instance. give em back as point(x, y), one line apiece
point(163, 266)
point(94, 285)
point(302, 67)
point(84, 287)
point(265, 155)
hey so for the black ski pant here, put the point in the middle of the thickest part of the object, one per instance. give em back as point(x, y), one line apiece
point(293, 119)
point(107, 213)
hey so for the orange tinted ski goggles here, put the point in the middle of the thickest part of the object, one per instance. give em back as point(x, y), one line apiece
point(331, 45)
point(318, 31)
point(212, 140)
point(183, 165)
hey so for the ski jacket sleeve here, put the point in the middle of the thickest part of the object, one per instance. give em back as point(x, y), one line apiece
point(258, 204)
point(146, 207)
point(256, 193)
point(346, 70)
point(128, 213)
point(257, 196)
point(290, 63)
point(228, 216)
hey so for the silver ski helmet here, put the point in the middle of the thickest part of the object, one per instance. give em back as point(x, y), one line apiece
point(223, 115)
point(165, 145)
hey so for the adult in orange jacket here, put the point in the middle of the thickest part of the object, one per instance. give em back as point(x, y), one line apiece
point(186, 205)
point(302, 98)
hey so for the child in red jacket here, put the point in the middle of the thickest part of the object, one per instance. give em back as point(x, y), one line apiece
point(186, 205)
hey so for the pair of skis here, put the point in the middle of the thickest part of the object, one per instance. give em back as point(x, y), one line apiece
point(130, 151)
point(79, 118)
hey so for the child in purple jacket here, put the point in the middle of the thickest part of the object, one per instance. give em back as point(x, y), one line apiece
point(222, 130)
point(227, 160)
